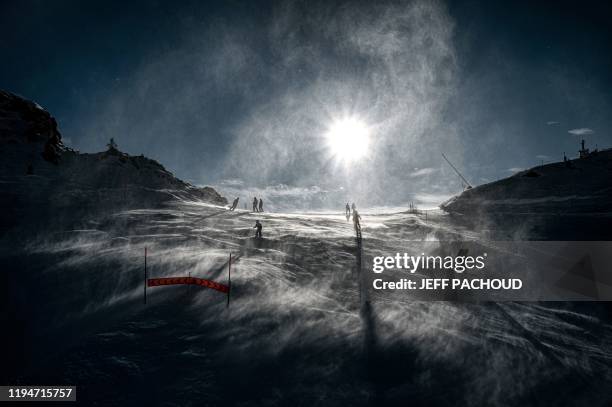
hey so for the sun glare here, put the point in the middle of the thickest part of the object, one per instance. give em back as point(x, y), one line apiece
point(348, 139)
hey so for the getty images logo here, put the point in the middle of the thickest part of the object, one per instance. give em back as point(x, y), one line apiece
point(458, 263)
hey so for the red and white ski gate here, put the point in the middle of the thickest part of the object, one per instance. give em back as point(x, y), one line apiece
point(155, 282)
point(202, 282)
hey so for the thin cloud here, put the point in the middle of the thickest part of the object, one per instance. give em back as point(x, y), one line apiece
point(515, 169)
point(232, 182)
point(542, 157)
point(581, 131)
point(553, 123)
point(423, 171)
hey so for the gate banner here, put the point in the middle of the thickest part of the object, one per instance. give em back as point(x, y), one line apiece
point(155, 282)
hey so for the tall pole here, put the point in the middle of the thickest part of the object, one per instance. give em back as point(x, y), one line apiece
point(229, 280)
point(145, 277)
point(357, 226)
point(457, 171)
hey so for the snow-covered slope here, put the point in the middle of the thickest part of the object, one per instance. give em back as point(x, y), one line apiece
point(581, 186)
point(40, 178)
point(295, 332)
point(294, 329)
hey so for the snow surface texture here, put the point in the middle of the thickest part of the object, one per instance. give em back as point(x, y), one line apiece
point(295, 330)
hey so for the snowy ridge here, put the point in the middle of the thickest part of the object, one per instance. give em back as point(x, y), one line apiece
point(41, 179)
point(579, 186)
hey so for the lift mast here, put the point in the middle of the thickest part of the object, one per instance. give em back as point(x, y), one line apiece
point(458, 173)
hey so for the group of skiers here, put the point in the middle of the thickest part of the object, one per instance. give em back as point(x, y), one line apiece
point(258, 207)
point(257, 204)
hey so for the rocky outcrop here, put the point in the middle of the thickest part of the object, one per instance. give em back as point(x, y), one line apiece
point(23, 121)
point(39, 174)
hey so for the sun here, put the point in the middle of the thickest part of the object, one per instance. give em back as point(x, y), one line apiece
point(348, 139)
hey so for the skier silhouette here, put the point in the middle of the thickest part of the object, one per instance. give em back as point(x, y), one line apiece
point(234, 204)
point(353, 207)
point(356, 218)
point(260, 205)
point(255, 204)
point(348, 211)
point(258, 226)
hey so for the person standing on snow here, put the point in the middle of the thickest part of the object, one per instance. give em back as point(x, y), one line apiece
point(260, 205)
point(356, 218)
point(258, 226)
point(234, 204)
point(348, 211)
point(255, 204)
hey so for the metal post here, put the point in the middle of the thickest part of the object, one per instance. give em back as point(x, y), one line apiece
point(357, 226)
point(145, 277)
point(229, 280)
point(457, 171)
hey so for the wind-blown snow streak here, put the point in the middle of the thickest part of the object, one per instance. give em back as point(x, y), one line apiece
point(294, 315)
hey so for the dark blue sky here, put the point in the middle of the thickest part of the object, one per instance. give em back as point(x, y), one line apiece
point(243, 89)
